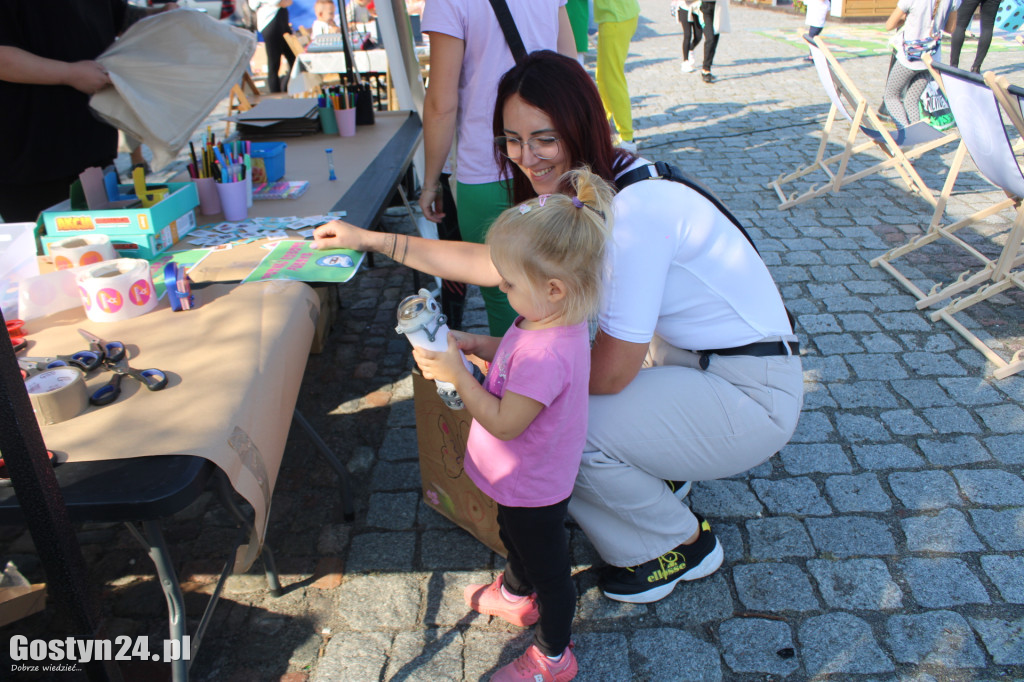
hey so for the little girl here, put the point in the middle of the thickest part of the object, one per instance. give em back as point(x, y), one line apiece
point(530, 415)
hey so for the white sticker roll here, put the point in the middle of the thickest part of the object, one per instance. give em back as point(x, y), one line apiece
point(117, 290)
point(85, 250)
point(57, 394)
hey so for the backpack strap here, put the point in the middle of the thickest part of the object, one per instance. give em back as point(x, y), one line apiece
point(508, 27)
point(666, 171)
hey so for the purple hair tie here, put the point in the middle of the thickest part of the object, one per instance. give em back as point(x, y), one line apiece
point(576, 202)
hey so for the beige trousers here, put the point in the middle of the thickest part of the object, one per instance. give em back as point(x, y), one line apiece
point(677, 422)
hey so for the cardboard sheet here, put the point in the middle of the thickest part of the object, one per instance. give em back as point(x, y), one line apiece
point(234, 366)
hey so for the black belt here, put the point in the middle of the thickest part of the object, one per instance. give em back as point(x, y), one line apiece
point(761, 349)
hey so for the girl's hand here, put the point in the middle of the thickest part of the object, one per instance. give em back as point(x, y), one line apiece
point(338, 234)
point(440, 365)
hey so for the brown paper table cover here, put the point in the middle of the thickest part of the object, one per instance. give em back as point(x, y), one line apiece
point(234, 367)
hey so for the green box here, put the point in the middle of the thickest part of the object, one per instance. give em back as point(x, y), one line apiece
point(135, 232)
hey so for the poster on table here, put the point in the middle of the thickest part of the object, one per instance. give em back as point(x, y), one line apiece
point(296, 260)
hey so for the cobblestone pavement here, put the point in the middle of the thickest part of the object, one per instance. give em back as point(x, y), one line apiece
point(884, 543)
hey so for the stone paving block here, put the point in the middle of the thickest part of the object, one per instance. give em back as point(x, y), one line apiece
point(813, 427)
point(602, 656)
point(697, 601)
point(880, 343)
point(877, 287)
point(452, 549)
point(1007, 449)
point(752, 645)
point(904, 322)
point(774, 586)
point(367, 603)
point(858, 322)
point(1007, 574)
point(991, 487)
point(718, 499)
point(860, 493)
point(594, 607)
point(840, 258)
point(354, 656)
point(848, 304)
point(802, 258)
point(487, 650)
point(862, 394)
point(445, 606)
point(951, 420)
point(937, 638)
point(940, 583)
point(1002, 529)
point(778, 538)
point(1003, 418)
point(889, 456)
point(816, 396)
point(731, 540)
point(854, 428)
point(668, 653)
point(819, 324)
point(895, 303)
point(922, 392)
point(825, 369)
point(856, 584)
point(947, 532)
point(820, 457)
point(426, 656)
point(428, 517)
point(393, 511)
point(925, 489)
point(840, 643)
point(962, 450)
point(396, 476)
point(848, 536)
point(970, 391)
point(836, 344)
point(905, 423)
point(1004, 639)
point(381, 552)
point(791, 496)
point(399, 444)
point(932, 364)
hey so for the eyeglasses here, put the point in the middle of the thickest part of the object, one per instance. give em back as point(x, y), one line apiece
point(542, 147)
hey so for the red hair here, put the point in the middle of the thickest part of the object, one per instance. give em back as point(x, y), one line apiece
point(564, 91)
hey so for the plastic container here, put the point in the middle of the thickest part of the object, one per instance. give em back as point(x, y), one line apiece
point(272, 154)
point(1010, 15)
point(17, 261)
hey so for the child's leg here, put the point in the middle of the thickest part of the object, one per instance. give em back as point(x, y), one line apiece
point(814, 30)
point(539, 560)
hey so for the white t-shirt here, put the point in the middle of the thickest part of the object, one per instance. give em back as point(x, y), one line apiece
point(486, 59)
point(817, 12)
point(678, 268)
point(920, 24)
point(323, 28)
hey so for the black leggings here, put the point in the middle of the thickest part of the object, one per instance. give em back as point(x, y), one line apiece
point(538, 561)
point(273, 37)
point(691, 32)
point(964, 14)
point(710, 37)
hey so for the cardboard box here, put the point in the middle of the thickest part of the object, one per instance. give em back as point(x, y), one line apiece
point(441, 434)
point(21, 601)
point(135, 232)
point(328, 295)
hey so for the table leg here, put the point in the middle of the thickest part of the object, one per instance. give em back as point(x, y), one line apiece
point(348, 504)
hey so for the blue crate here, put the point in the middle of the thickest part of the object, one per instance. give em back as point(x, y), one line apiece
point(272, 154)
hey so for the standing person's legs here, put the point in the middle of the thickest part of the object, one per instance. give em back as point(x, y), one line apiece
point(964, 13)
point(478, 206)
point(710, 37)
point(538, 561)
point(895, 87)
point(915, 88)
point(613, 39)
point(677, 422)
point(273, 38)
point(989, 8)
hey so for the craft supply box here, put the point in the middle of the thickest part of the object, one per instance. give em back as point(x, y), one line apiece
point(135, 232)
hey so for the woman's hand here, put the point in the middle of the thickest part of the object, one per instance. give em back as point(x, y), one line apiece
point(441, 365)
point(432, 203)
point(338, 234)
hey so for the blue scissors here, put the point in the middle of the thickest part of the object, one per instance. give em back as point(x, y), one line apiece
point(115, 359)
point(85, 360)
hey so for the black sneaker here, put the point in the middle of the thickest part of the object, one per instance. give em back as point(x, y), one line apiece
point(656, 578)
point(706, 75)
point(679, 488)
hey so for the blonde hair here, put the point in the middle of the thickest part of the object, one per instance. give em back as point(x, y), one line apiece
point(559, 236)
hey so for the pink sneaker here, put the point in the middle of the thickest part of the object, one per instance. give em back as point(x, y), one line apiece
point(487, 599)
point(534, 666)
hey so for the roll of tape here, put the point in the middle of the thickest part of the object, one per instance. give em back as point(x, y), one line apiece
point(85, 250)
point(57, 394)
point(179, 287)
point(117, 290)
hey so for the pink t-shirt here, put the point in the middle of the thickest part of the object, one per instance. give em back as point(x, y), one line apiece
point(486, 59)
point(538, 467)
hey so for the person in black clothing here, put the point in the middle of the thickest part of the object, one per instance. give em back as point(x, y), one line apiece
point(989, 9)
point(47, 74)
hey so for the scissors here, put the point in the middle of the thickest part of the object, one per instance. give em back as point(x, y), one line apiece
point(85, 360)
point(115, 360)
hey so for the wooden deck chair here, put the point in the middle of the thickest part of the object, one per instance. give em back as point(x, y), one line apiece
point(237, 101)
point(974, 99)
point(899, 146)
